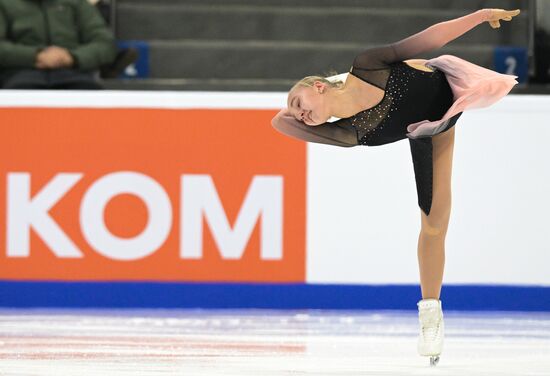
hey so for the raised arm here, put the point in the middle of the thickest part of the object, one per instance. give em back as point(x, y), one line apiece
point(327, 133)
point(440, 34)
point(432, 38)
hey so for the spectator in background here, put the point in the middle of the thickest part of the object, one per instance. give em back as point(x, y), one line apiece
point(124, 56)
point(52, 44)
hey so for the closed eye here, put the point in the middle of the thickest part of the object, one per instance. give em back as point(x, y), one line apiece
point(298, 107)
point(295, 103)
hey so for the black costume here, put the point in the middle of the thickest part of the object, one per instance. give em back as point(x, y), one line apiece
point(416, 104)
point(410, 96)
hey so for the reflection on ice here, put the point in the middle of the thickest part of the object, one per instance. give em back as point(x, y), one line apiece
point(262, 342)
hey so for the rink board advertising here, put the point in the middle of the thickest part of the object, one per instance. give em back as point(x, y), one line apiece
point(175, 207)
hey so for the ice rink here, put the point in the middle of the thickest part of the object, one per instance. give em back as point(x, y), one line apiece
point(263, 342)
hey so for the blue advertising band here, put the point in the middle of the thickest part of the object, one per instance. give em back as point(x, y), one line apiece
point(269, 296)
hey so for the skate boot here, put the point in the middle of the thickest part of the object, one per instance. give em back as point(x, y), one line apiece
point(430, 341)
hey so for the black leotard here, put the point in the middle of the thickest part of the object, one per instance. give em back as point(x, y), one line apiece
point(410, 96)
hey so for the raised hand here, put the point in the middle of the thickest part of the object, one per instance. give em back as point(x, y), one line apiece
point(500, 14)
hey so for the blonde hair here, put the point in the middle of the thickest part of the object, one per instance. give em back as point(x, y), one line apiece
point(310, 80)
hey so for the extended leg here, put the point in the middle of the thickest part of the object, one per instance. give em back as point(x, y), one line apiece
point(431, 241)
point(431, 248)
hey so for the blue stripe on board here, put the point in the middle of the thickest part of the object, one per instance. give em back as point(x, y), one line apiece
point(276, 296)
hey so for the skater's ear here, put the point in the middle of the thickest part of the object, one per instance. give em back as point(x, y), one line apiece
point(320, 87)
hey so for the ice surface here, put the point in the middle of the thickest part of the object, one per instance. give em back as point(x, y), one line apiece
point(265, 343)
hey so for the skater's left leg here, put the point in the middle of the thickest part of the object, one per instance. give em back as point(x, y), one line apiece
point(431, 248)
point(431, 242)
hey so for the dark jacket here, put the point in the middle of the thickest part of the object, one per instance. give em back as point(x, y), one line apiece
point(26, 26)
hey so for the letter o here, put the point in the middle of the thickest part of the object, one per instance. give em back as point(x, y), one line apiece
point(98, 235)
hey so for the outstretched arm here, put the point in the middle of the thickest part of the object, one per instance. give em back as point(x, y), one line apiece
point(442, 33)
point(432, 38)
point(327, 133)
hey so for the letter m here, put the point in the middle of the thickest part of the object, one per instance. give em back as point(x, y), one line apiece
point(199, 198)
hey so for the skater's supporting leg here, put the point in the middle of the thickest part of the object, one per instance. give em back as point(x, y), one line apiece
point(431, 241)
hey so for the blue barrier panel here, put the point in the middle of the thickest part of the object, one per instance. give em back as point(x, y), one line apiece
point(512, 60)
point(140, 68)
point(269, 296)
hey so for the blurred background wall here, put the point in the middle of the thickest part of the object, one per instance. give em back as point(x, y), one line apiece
point(268, 45)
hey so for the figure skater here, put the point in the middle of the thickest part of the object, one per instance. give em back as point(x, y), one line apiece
point(386, 98)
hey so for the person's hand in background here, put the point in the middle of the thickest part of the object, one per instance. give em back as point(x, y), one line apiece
point(54, 57)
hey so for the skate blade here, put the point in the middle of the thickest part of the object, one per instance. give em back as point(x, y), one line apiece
point(434, 360)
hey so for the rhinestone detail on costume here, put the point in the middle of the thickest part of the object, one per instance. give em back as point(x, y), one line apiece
point(372, 120)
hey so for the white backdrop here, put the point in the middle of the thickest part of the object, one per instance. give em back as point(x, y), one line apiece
point(363, 217)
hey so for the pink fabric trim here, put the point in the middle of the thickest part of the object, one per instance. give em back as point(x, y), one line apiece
point(473, 87)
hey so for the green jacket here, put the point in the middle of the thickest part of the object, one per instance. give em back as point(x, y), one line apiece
point(26, 26)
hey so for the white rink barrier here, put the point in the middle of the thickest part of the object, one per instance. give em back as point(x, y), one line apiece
point(338, 229)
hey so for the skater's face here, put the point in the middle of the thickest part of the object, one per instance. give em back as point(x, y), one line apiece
point(308, 103)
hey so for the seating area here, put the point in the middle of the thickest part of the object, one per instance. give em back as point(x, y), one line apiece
point(266, 45)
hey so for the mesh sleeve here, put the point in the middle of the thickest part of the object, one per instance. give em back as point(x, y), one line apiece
point(338, 133)
point(434, 37)
point(437, 36)
point(373, 65)
point(375, 58)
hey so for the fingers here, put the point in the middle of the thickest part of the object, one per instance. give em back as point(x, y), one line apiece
point(508, 14)
point(504, 15)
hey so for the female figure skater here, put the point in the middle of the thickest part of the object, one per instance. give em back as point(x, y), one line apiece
point(387, 98)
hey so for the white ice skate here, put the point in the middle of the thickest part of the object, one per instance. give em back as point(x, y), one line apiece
point(430, 341)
